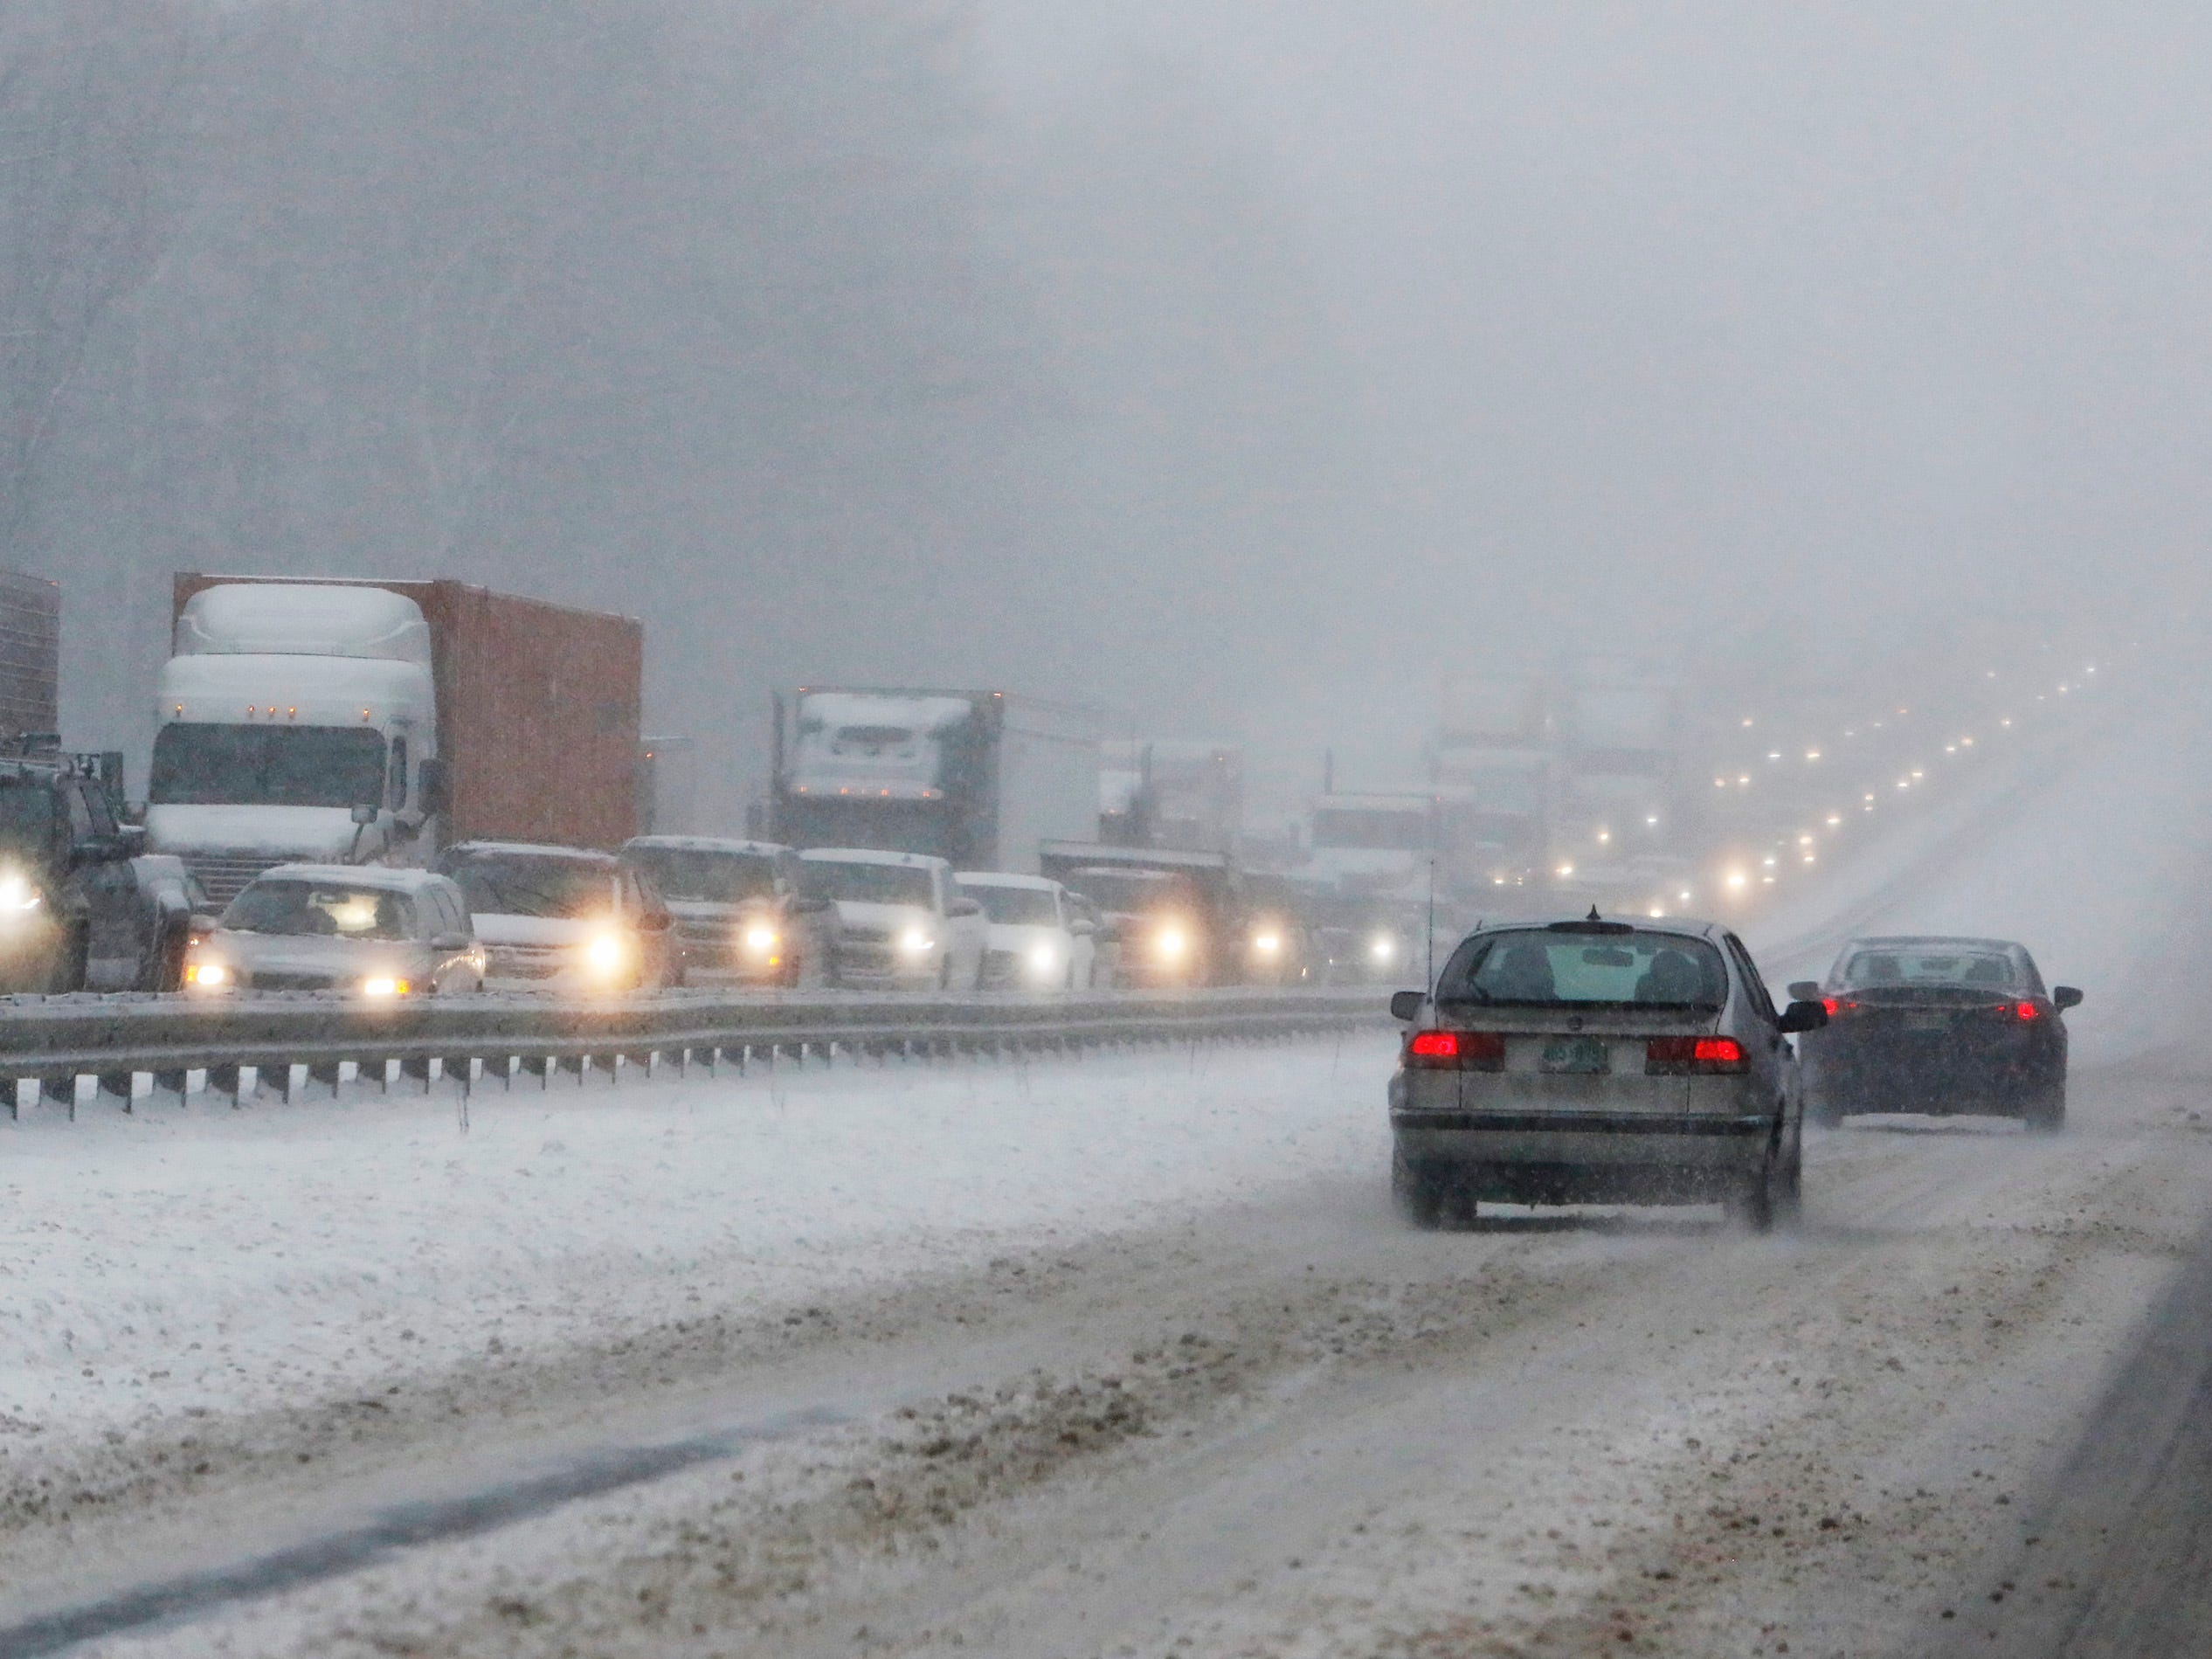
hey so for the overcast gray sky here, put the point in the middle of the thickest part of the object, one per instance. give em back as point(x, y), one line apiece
point(1863, 321)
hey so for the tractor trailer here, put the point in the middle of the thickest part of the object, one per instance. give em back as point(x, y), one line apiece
point(373, 722)
point(978, 778)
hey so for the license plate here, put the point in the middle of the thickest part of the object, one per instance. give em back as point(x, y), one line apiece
point(1927, 1022)
point(1583, 1055)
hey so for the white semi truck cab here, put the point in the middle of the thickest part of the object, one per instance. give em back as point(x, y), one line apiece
point(296, 722)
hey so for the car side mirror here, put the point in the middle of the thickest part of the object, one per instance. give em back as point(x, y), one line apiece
point(1804, 991)
point(451, 941)
point(2065, 996)
point(964, 907)
point(132, 838)
point(1083, 926)
point(203, 924)
point(1406, 1005)
point(365, 814)
point(655, 921)
point(1806, 1015)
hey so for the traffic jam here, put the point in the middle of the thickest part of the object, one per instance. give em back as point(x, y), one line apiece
point(337, 809)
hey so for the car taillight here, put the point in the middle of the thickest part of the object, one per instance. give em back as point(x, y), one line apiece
point(2026, 1010)
point(1838, 1005)
point(1455, 1051)
point(1693, 1056)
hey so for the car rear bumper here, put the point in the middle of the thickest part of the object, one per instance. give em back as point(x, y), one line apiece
point(1953, 1085)
point(1587, 1157)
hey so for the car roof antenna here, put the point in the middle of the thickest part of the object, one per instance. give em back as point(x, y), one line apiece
point(1593, 915)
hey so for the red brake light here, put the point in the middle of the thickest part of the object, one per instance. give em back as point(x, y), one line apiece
point(1688, 1056)
point(1455, 1051)
point(1833, 1004)
point(1432, 1045)
point(2028, 1011)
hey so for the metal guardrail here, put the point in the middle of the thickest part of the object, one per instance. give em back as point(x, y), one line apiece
point(288, 1046)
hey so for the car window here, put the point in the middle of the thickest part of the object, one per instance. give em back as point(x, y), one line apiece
point(1754, 982)
point(1541, 967)
point(103, 820)
point(398, 795)
point(1948, 966)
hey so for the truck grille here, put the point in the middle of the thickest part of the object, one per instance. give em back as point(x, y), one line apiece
point(224, 878)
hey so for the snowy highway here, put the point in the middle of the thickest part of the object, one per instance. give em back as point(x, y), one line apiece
point(1122, 1355)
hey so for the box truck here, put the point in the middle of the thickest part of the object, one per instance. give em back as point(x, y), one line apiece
point(378, 721)
point(978, 778)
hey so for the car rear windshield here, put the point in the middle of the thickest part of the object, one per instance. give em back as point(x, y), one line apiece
point(695, 876)
point(869, 883)
point(1536, 968)
point(1032, 906)
point(317, 909)
point(532, 884)
point(1870, 970)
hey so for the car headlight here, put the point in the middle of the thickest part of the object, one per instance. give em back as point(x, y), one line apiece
point(209, 975)
point(1384, 949)
point(1044, 961)
point(1267, 944)
point(18, 897)
point(606, 953)
point(383, 986)
point(1171, 943)
point(761, 940)
point(916, 942)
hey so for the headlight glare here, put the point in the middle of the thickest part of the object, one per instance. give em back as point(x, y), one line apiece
point(914, 942)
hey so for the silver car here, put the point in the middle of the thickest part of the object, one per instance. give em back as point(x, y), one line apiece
point(364, 930)
point(1591, 1063)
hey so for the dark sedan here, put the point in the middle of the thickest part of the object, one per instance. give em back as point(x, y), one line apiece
point(1942, 1026)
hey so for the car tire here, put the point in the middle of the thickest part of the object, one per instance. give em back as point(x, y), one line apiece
point(2045, 1112)
point(1417, 1195)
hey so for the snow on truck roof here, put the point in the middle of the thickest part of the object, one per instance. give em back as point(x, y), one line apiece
point(532, 849)
point(871, 708)
point(391, 877)
point(1004, 878)
point(869, 855)
point(704, 844)
point(270, 619)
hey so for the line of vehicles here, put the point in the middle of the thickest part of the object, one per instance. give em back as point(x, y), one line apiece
point(1596, 1061)
point(909, 838)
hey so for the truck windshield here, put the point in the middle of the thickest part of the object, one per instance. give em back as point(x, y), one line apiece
point(209, 765)
point(1536, 968)
point(1128, 892)
point(318, 910)
point(1023, 905)
point(27, 809)
point(869, 883)
point(690, 876)
point(532, 884)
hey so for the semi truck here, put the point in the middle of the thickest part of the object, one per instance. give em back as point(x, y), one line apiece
point(378, 722)
point(978, 778)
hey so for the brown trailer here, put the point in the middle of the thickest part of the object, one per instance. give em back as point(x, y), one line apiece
point(537, 709)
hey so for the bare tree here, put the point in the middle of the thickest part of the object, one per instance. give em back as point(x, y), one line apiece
point(86, 94)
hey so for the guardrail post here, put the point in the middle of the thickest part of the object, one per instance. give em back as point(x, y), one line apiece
point(417, 1067)
point(121, 1084)
point(331, 1073)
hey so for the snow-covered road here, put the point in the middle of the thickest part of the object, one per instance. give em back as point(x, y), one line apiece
point(1128, 1355)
